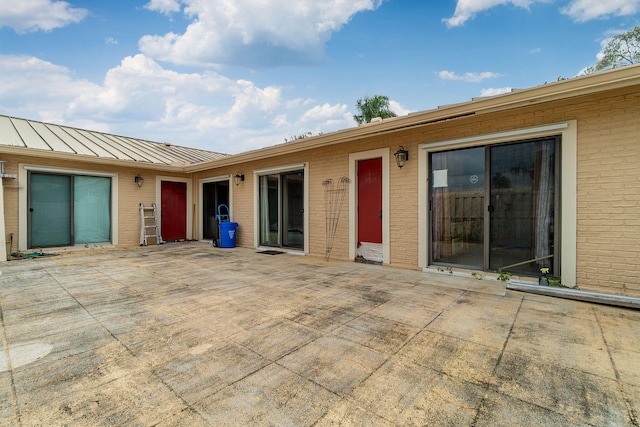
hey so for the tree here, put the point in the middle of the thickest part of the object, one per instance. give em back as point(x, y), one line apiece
point(376, 106)
point(621, 50)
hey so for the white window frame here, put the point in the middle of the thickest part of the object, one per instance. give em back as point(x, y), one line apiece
point(201, 182)
point(354, 158)
point(568, 132)
point(256, 204)
point(188, 208)
point(23, 195)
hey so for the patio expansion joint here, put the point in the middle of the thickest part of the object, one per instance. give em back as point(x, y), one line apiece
point(131, 352)
point(488, 387)
point(633, 417)
point(7, 355)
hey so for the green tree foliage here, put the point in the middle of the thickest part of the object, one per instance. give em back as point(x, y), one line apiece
point(623, 49)
point(370, 107)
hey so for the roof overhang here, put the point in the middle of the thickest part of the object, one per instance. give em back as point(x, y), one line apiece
point(46, 154)
point(565, 89)
point(561, 90)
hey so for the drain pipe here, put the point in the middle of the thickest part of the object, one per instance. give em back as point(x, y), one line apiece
point(576, 294)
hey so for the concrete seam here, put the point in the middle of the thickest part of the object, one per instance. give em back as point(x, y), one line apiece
point(5, 347)
point(630, 412)
point(495, 368)
point(187, 405)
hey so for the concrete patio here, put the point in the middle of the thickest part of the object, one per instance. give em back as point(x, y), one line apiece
point(191, 335)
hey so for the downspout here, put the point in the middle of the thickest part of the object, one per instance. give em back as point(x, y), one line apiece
point(576, 294)
point(3, 248)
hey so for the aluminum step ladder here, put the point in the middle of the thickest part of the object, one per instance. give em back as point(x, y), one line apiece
point(149, 224)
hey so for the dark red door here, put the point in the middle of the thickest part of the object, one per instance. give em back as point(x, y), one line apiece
point(174, 210)
point(370, 200)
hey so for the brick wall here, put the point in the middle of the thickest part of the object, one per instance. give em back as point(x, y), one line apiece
point(608, 179)
point(609, 194)
point(608, 184)
point(129, 195)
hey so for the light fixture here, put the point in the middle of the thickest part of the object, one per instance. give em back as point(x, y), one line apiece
point(237, 178)
point(402, 156)
point(139, 180)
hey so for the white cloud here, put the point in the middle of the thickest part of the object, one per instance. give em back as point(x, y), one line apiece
point(607, 38)
point(38, 15)
point(578, 10)
point(398, 109)
point(492, 91)
point(252, 32)
point(140, 90)
point(32, 87)
point(467, 77)
point(468, 9)
point(166, 7)
point(318, 117)
point(586, 10)
point(140, 98)
point(110, 40)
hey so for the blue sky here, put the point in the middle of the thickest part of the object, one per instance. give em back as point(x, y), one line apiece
point(236, 75)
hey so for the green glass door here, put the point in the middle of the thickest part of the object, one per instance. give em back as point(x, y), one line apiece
point(68, 210)
point(50, 210)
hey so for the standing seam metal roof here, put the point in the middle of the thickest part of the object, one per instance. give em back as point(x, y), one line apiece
point(23, 133)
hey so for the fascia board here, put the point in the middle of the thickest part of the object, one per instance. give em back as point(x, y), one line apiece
point(566, 89)
point(45, 154)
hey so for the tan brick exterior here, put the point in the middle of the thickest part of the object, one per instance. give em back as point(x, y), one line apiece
point(608, 185)
point(129, 195)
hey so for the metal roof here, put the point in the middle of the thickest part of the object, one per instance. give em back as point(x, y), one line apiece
point(33, 135)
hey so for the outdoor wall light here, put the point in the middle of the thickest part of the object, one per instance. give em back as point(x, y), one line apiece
point(237, 178)
point(402, 156)
point(139, 180)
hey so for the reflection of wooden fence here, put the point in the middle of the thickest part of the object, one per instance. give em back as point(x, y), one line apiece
point(460, 216)
point(512, 218)
point(464, 219)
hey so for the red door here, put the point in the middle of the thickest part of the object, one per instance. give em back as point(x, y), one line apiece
point(370, 201)
point(174, 210)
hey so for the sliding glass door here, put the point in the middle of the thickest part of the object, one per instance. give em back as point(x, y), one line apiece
point(68, 210)
point(282, 210)
point(457, 194)
point(522, 206)
point(494, 207)
point(50, 210)
point(91, 209)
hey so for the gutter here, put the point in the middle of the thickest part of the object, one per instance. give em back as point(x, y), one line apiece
point(174, 167)
point(566, 89)
point(577, 295)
